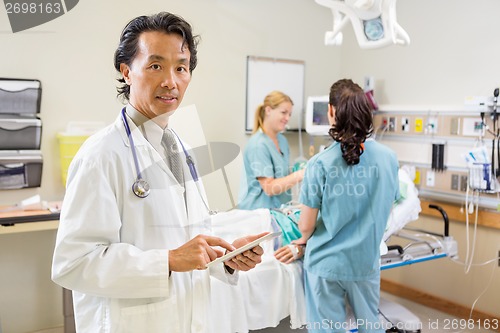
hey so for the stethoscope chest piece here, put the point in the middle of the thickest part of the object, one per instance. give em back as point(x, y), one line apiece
point(141, 188)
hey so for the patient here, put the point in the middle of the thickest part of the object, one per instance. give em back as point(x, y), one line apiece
point(288, 224)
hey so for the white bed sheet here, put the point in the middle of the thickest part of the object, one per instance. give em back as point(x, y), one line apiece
point(406, 210)
point(264, 295)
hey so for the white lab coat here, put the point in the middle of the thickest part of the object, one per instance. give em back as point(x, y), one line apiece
point(112, 247)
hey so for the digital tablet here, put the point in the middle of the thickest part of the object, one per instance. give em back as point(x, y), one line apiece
point(244, 248)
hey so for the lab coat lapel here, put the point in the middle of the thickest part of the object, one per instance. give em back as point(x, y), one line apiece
point(146, 153)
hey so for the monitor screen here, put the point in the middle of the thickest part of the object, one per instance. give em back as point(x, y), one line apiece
point(320, 110)
point(316, 118)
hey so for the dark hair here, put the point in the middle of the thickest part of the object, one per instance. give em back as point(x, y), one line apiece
point(163, 22)
point(353, 119)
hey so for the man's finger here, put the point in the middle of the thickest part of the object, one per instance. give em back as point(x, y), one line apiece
point(217, 241)
point(214, 253)
point(251, 238)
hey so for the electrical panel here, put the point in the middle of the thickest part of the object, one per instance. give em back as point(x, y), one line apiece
point(433, 141)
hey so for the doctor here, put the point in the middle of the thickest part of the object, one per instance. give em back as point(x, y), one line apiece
point(135, 259)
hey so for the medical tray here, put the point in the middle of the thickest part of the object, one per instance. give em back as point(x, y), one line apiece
point(20, 96)
point(20, 132)
point(20, 169)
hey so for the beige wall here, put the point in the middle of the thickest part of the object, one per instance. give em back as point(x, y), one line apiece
point(453, 53)
point(453, 280)
point(73, 57)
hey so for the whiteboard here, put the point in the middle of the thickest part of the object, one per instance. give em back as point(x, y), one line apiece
point(267, 74)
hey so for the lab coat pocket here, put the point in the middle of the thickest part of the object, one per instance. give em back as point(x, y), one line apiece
point(160, 316)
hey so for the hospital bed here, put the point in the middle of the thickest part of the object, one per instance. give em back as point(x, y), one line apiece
point(421, 245)
point(417, 246)
point(265, 295)
point(274, 291)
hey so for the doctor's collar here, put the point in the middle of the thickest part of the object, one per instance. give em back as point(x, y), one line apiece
point(140, 119)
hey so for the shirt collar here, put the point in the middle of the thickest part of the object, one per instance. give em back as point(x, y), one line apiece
point(151, 131)
point(137, 117)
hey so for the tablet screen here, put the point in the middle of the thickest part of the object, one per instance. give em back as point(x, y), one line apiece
point(244, 248)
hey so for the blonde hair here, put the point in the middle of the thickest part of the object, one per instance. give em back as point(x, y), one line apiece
point(273, 99)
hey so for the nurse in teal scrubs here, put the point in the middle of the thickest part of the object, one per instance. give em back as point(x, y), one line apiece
point(347, 195)
point(267, 180)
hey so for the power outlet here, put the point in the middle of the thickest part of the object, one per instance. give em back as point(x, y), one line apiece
point(430, 178)
point(463, 183)
point(455, 182)
point(385, 123)
point(432, 125)
point(392, 124)
point(455, 126)
point(419, 125)
point(405, 124)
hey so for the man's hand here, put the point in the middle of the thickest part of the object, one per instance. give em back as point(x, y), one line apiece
point(196, 253)
point(249, 259)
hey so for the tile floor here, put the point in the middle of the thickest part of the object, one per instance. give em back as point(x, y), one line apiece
point(433, 321)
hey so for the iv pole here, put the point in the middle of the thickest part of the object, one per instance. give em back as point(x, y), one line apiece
point(495, 166)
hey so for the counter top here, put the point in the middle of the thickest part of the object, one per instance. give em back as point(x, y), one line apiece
point(29, 227)
point(26, 221)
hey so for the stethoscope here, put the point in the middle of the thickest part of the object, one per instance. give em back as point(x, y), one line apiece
point(141, 187)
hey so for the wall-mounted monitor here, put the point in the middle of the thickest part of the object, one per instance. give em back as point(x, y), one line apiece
point(316, 117)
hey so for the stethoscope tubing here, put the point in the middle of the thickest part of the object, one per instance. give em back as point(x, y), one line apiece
point(132, 145)
point(189, 161)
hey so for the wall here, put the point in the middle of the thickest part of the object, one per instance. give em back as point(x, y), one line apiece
point(73, 57)
point(444, 277)
point(453, 54)
point(28, 299)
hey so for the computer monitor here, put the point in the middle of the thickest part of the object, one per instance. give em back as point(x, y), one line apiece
point(316, 118)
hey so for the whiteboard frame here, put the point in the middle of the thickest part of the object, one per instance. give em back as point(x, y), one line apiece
point(265, 74)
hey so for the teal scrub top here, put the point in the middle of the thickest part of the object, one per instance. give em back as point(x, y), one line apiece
point(354, 204)
point(262, 159)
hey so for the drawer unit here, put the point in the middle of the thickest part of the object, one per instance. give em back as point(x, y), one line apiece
point(19, 132)
point(20, 96)
point(20, 169)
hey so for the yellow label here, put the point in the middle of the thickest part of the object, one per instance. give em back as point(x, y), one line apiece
point(417, 177)
point(419, 125)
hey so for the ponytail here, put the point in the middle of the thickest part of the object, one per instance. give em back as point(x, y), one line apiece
point(353, 119)
point(259, 118)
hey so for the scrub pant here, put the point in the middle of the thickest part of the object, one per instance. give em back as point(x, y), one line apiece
point(326, 304)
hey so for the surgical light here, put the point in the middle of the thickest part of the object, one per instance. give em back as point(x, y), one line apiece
point(374, 22)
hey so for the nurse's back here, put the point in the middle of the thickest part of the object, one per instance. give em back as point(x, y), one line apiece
point(354, 206)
